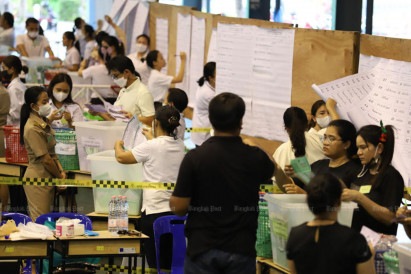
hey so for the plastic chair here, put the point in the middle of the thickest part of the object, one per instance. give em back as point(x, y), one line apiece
point(19, 218)
point(52, 216)
point(174, 225)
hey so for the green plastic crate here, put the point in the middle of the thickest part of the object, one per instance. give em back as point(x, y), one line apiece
point(263, 243)
point(66, 149)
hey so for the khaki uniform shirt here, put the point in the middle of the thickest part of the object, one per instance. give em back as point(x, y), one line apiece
point(4, 110)
point(39, 140)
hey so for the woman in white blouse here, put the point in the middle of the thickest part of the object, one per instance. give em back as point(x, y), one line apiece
point(139, 57)
point(72, 61)
point(161, 157)
point(205, 93)
point(64, 110)
point(158, 83)
point(12, 67)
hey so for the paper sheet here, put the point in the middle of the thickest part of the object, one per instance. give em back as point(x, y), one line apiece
point(248, 66)
point(183, 45)
point(196, 57)
point(370, 235)
point(116, 112)
point(128, 7)
point(139, 22)
point(115, 9)
point(212, 47)
point(162, 39)
point(132, 134)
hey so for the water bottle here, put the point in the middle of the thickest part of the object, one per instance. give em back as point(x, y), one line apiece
point(124, 215)
point(112, 219)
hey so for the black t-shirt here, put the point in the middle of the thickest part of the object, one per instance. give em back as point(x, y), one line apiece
point(387, 192)
point(338, 250)
point(222, 177)
point(347, 172)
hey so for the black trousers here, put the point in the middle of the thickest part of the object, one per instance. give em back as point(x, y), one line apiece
point(166, 242)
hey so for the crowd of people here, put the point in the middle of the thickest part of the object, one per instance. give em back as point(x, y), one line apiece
point(217, 183)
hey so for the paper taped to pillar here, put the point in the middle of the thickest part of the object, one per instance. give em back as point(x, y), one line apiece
point(256, 63)
point(114, 12)
point(136, 24)
point(162, 39)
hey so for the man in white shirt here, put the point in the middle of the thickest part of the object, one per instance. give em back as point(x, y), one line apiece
point(7, 34)
point(32, 44)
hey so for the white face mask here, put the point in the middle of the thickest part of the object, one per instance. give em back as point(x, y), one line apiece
point(141, 47)
point(324, 121)
point(60, 96)
point(121, 82)
point(44, 110)
point(33, 34)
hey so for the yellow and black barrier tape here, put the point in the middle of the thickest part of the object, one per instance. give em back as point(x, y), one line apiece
point(99, 183)
point(198, 129)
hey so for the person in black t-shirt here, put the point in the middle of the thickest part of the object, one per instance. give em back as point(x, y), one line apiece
point(340, 148)
point(218, 186)
point(379, 187)
point(323, 245)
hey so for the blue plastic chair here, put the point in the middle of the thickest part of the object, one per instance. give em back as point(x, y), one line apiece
point(88, 225)
point(19, 218)
point(174, 225)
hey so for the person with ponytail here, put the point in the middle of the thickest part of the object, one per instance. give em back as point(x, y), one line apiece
point(379, 187)
point(12, 68)
point(159, 83)
point(64, 110)
point(323, 245)
point(301, 143)
point(161, 157)
point(322, 114)
point(205, 93)
point(72, 61)
point(38, 137)
point(340, 149)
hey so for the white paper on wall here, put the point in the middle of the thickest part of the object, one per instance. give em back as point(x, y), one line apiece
point(115, 10)
point(196, 56)
point(162, 39)
point(137, 24)
point(183, 45)
point(212, 47)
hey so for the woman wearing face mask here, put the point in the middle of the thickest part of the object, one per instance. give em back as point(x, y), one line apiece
point(64, 110)
point(340, 149)
point(38, 137)
point(161, 156)
point(72, 61)
point(158, 83)
point(379, 187)
point(12, 67)
point(322, 114)
point(111, 47)
point(139, 57)
point(204, 94)
point(134, 96)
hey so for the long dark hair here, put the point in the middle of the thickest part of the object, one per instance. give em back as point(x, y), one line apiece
point(347, 132)
point(60, 78)
point(12, 61)
point(169, 119)
point(31, 96)
point(296, 121)
point(151, 57)
point(113, 41)
point(372, 134)
point(323, 193)
point(208, 71)
point(314, 109)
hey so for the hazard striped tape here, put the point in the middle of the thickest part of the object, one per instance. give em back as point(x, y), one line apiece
point(100, 183)
point(198, 129)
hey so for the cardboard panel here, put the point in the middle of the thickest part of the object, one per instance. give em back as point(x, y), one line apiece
point(386, 47)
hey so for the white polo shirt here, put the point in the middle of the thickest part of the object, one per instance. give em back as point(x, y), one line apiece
point(158, 84)
point(141, 67)
point(136, 99)
point(34, 48)
point(7, 37)
point(72, 57)
point(161, 159)
point(200, 115)
point(88, 49)
point(16, 91)
point(313, 150)
point(99, 76)
point(181, 129)
point(75, 111)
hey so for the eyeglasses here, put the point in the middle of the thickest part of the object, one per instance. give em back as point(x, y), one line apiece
point(329, 139)
point(115, 77)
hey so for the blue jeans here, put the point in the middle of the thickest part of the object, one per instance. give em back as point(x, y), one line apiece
point(217, 261)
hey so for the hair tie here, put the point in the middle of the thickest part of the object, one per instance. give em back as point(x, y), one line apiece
point(383, 137)
point(172, 119)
